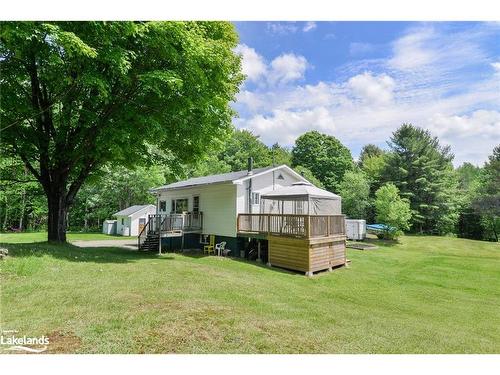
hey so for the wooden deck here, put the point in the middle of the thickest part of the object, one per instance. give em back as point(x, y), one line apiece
point(305, 243)
point(168, 225)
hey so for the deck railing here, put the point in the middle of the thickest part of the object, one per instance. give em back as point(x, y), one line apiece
point(187, 222)
point(307, 226)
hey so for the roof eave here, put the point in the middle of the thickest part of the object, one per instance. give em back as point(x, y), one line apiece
point(164, 189)
point(239, 181)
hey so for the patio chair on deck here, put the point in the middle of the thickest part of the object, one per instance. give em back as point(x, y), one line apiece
point(209, 249)
point(219, 248)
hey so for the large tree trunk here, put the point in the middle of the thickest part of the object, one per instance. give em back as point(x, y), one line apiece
point(58, 210)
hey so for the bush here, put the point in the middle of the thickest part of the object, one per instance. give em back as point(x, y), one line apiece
point(392, 211)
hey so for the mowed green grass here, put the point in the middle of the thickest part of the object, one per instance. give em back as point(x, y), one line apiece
point(42, 236)
point(424, 295)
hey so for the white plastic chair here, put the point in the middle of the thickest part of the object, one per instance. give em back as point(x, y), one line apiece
point(219, 248)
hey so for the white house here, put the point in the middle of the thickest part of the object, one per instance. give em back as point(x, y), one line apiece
point(130, 221)
point(229, 206)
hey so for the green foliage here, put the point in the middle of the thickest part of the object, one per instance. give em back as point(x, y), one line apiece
point(355, 190)
point(308, 175)
point(487, 202)
point(85, 94)
point(280, 155)
point(369, 151)
point(115, 189)
point(392, 210)
point(324, 156)
point(421, 168)
point(240, 147)
point(22, 202)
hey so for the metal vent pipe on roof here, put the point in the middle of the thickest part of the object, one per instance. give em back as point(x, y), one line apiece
point(250, 166)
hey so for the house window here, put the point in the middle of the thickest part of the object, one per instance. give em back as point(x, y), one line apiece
point(123, 220)
point(196, 204)
point(179, 205)
point(255, 198)
point(163, 205)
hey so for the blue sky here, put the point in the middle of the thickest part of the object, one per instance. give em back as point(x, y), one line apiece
point(359, 81)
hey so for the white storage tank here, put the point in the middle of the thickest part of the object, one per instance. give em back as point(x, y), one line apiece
point(109, 227)
point(355, 229)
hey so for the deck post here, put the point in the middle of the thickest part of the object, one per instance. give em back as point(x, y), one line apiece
point(259, 259)
point(159, 235)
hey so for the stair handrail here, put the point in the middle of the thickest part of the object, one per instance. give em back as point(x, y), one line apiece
point(144, 233)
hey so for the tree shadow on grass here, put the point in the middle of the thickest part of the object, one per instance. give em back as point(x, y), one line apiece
point(198, 254)
point(380, 242)
point(80, 254)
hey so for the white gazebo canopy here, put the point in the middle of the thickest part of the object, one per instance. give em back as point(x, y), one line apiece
point(301, 198)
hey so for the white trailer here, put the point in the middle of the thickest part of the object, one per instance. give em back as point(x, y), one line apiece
point(355, 229)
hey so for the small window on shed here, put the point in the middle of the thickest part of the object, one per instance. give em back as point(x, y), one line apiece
point(280, 177)
point(123, 221)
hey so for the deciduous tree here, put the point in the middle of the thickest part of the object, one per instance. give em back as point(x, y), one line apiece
point(392, 210)
point(324, 156)
point(79, 95)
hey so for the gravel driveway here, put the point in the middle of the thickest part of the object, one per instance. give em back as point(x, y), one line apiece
point(130, 243)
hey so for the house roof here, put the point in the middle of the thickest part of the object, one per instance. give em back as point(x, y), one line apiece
point(132, 210)
point(299, 190)
point(234, 177)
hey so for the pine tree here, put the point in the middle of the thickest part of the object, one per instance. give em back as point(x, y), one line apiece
point(422, 170)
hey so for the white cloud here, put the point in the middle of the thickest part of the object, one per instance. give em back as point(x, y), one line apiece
point(309, 26)
point(480, 123)
point(272, 127)
point(410, 51)
point(253, 64)
point(376, 90)
point(287, 68)
point(282, 28)
point(423, 47)
point(473, 136)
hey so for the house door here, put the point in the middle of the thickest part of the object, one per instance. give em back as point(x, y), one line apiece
point(142, 224)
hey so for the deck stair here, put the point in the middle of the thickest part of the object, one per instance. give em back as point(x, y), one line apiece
point(151, 242)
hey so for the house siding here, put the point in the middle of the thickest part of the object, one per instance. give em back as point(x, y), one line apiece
point(217, 203)
point(262, 184)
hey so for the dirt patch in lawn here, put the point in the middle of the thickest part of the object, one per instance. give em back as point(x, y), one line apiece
point(63, 342)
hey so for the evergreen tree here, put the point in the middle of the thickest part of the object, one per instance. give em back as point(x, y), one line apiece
point(487, 204)
point(422, 170)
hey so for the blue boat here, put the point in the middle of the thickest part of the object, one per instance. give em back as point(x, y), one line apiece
point(378, 227)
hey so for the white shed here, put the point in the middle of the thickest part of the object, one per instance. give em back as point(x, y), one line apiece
point(109, 227)
point(131, 220)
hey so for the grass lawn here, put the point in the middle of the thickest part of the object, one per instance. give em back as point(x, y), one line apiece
point(425, 295)
point(42, 236)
